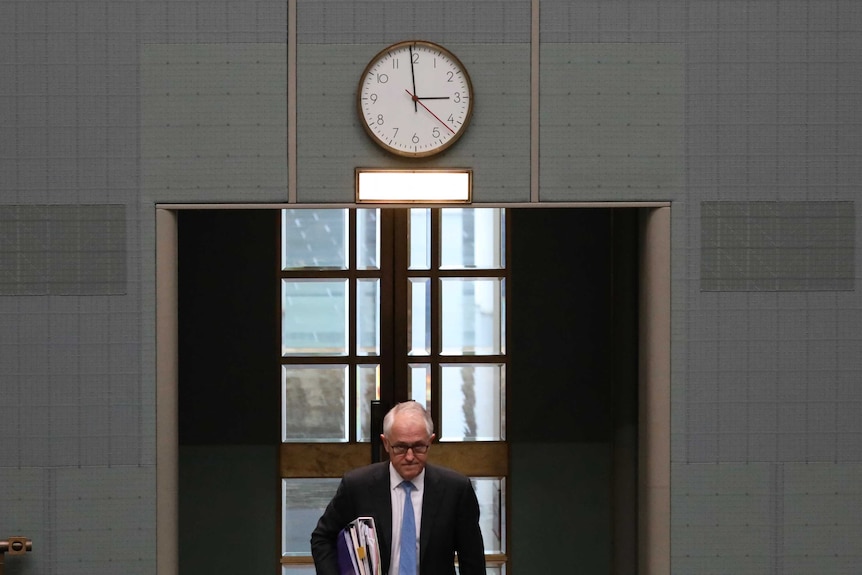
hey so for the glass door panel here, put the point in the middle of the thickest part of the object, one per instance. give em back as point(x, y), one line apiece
point(492, 512)
point(314, 317)
point(303, 502)
point(419, 319)
point(419, 239)
point(472, 402)
point(474, 238)
point(420, 383)
point(368, 316)
point(368, 239)
point(472, 316)
point(314, 403)
point(314, 239)
point(389, 313)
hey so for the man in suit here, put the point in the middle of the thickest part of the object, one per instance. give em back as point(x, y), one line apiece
point(444, 506)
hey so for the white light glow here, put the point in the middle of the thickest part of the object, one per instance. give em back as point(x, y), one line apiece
point(413, 186)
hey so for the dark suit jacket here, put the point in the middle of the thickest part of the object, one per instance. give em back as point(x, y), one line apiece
point(450, 520)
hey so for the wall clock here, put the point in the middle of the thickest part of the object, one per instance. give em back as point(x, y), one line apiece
point(415, 98)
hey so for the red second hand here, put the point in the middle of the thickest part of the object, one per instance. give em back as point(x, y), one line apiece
point(415, 99)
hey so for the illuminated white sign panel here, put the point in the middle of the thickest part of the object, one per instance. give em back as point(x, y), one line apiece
point(413, 185)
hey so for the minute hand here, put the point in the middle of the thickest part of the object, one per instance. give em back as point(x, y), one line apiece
point(416, 99)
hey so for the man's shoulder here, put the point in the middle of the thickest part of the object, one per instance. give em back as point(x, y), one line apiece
point(366, 472)
point(440, 473)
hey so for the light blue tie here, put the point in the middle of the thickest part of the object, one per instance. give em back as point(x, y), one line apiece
point(407, 561)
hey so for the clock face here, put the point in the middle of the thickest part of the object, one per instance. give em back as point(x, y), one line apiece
point(415, 98)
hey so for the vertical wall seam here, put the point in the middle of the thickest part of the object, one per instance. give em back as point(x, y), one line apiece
point(291, 102)
point(534, 100)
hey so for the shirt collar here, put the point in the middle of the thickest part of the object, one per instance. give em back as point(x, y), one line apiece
point(395, 479)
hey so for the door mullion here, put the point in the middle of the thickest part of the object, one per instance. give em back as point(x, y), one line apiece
point(352, 324)
point(387, 315)
point(436, 320)
point(399, 381)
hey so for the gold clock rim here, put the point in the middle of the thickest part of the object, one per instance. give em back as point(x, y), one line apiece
point(396, 151)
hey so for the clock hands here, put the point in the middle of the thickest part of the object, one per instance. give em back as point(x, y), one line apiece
point(417, 100)
point(413, 77)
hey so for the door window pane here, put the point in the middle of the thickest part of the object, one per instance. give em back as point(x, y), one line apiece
point(473, 238)
point(368, 239)
point(367, 317)
point(419, 239)
point(419, 320)
point(367, 390)
point(472, 402)
point(303, 502)
point(492, 512)
point(472, 316)
point(314, 317)
point(420, 383)
point(314, 239)
point(314, 403)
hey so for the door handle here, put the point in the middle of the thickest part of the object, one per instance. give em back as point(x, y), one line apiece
point(14, 546)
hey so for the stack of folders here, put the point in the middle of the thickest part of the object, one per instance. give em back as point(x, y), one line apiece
point(358, 551)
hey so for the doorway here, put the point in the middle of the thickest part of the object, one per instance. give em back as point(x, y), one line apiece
point(535, 438)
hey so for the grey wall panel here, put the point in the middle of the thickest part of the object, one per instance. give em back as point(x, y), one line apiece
point(72, 393)
point(63, 250)
point(209, 21)
point(611, 122)
point(214, 122)
point(770, 378)
point(385, 22)
point(822, 506)
point(490, 37)
point(332, 143)
point(764, 518)
point(89, 499)
point(563, 21)
point(788, 246)
point(728, 515)
point(88, 520)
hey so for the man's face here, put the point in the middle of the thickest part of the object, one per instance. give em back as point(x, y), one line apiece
point(408, 430)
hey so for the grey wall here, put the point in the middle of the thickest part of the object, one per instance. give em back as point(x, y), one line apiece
point(745, 114)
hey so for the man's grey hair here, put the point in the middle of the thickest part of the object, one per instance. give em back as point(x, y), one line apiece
point(407, 407)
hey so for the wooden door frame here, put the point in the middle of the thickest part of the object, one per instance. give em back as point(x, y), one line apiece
point(654, 377)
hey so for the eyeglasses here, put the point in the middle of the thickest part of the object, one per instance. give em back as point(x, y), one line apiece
point(418, 448)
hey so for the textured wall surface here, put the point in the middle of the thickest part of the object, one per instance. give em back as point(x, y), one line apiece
point(754, 128)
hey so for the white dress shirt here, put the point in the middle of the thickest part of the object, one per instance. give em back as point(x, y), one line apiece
point(397, 494)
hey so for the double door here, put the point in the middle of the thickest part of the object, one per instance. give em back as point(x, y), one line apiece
point(380, 306)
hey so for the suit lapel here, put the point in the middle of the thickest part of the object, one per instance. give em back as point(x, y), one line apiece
point(382, 500)
point(431, 500)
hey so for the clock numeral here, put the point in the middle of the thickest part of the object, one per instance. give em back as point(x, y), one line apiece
point(382, 78)
point(450, 76)
point(379, 119)
point(394, 63)
point(415, 57)
point(451, 119)
point(415, 138)
point(435, 133)
point(457, 98)
point(373, 98)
